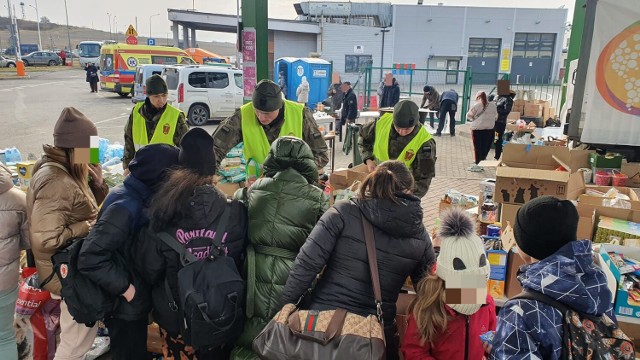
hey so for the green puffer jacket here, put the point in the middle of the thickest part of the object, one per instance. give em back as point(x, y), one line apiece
point(283, 208)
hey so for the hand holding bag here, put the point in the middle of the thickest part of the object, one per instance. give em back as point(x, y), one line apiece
point(332, 334)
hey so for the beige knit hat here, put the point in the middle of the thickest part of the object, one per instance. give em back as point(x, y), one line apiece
point(462, 262)
point(73, 130)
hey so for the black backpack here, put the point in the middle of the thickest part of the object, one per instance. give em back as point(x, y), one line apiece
point(211, 294)
point(87, 301)
point(586, 336)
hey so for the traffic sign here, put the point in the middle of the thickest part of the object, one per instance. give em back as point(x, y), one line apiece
point(132, 40)
point(151, 42)
point(131, 31)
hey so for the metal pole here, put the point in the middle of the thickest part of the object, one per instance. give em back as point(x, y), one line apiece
point(38, 16)
point(238, 34)
point(17, 32)
point(68, 32)
point(115, 28)
point(110, 35)
point(383, 31)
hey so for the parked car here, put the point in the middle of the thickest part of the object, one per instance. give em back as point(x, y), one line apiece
point(143, 72)
point(204, 92)
point(6, 62)
point(42, 58)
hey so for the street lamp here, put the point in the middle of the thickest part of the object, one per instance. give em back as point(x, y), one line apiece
point(38, 18)
point(110, 35)
point(115, 28)
point(150, 24)
point(68, 33)
point(238, 45)
point(384, 30)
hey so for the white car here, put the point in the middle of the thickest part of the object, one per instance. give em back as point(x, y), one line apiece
point(204, 92)
point(143, 72)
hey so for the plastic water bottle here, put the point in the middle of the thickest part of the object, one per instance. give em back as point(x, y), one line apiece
point(17, 155)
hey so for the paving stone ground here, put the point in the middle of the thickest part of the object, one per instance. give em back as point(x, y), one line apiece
point(455, 154)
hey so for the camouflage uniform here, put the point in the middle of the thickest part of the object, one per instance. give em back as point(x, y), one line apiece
point(129, 148)
point(229, 134)
point(423, 167)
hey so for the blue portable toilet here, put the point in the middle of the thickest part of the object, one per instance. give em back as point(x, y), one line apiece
point(317, 72)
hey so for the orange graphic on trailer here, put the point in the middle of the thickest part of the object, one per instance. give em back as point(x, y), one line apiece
point(618, 71)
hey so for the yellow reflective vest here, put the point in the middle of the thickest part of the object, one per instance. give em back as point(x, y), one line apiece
point(256, 145)
point(165, 129)
point(381, 144)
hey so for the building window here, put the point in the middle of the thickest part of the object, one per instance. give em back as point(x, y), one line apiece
point(484, 47)
point(356, 63)
point(534, 45)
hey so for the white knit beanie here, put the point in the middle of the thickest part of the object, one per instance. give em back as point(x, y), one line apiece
point(461, 254)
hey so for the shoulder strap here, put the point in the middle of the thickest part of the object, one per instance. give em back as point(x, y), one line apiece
point(373, 263)
point(173, 244)
point(538, 296)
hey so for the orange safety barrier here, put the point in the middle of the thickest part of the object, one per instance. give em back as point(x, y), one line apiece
point(20, 68)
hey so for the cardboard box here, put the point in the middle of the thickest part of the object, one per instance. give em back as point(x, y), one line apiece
point(508, 214)
point(587, 204)
point(514, 115)
point(25, 171)
point(545, 108)
point(623, 304)
point(519, 103)
point(609, 227)
point(552, 113)
point(527, 172)
point(512, 286)
point(518, 108)
point(609, 161)
point(632, 170)
point(343, 178)
point(229, 188)
point(533, 110)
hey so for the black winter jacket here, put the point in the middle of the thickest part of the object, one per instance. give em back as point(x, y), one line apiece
point(403, 249)
point(504, 104)
point(390, 95)
point(349, 107)
point(107, 250)
point(155, 260)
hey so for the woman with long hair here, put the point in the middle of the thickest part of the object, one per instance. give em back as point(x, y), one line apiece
point(482, 116)
point(337, 245)
point(62, 201)
point(446, 322)
point(190, 209)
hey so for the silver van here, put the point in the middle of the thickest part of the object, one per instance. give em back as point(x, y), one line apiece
point(143, 72)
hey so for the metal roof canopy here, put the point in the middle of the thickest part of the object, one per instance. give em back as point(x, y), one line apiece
point(227, 23)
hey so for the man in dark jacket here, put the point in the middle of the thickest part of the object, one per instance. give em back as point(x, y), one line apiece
point(430, 101)
point(448, 105)
point(504, 105)
point(558, 266)
point(106, 253)
point(349, 111)
point(390, 94)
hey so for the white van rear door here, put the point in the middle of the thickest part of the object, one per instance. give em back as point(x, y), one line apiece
point(221, 95)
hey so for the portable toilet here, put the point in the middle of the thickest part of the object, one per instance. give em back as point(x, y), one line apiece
point(317, 72)
point(283, 69)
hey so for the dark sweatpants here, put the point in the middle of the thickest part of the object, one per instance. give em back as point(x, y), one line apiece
point(500, 127)
point(482, 140)
point(447, 107)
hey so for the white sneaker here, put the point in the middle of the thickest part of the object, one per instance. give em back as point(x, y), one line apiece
point(475, 168)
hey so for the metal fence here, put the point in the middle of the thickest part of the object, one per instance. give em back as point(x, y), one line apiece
point(464, 82)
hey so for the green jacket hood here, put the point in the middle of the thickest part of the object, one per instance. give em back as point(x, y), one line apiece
point(290, 152)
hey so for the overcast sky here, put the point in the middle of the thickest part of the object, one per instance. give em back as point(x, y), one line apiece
point(93, 13)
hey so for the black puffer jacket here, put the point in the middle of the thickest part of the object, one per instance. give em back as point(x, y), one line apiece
point(403, 249)
point(155, 260)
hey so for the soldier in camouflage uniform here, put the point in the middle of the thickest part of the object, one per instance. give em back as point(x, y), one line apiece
point(400, 136)
point(145, 117)
point(269, 115)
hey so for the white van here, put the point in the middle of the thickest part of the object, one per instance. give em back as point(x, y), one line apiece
point(204, 92)
point(143, 72)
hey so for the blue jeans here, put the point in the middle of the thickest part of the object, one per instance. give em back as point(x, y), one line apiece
point(8, 347)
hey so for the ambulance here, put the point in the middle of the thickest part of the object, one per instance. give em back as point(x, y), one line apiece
point(118, 63)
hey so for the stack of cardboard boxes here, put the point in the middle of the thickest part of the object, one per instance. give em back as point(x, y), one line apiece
point(538, 111)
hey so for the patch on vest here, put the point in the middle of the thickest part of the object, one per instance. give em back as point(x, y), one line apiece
point(165, 129)
point(409, 155)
